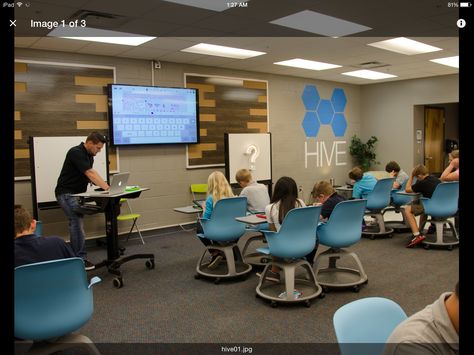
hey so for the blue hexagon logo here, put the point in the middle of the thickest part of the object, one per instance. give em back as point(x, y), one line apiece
point(325, 112)
point(310, 124)
point(338, 100)
point(339, 125)
point(310, 97)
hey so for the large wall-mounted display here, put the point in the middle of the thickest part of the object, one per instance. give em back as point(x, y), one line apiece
point(226, 105)
point(152, 115)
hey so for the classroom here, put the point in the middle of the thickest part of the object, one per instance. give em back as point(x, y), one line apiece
point(291, 103)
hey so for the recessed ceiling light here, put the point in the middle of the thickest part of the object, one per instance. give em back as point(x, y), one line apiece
point(404, 46)
point(369, 74)
point(307, 64)
point(314, 22)
point(449, 61)
point(222, 51)
point(99, 35)
point(215, 5)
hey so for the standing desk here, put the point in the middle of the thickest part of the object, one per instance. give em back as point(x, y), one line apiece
point(110, 205)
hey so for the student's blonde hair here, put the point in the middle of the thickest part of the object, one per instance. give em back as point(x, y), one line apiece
point(243, 175)
point(322, 188)
point(454, 154)
point(218, 187)
point(420, 170)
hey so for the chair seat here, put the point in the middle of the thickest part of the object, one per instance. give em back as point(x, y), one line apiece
point(128, 217)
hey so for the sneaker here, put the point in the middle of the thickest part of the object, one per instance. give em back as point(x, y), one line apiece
point(416, 240)
point(88, 265)
point(271, 276)
point(295, 292)
point(215, 261)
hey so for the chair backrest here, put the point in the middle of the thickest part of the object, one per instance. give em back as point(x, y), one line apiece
point(222, 226)
point(52, 298)
point(380, 195)
point(297, 235)
point(444, 201)
point(364, 326)
point(344, 226)
point(198, 189)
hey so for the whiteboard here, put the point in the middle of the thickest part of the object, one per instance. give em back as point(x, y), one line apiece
point(241, 154)
point(48, 156)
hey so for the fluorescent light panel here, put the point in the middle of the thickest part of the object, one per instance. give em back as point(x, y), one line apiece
point(404, 46)
point(369, 74)
point(315, 22)
point(99, 35)
point(449, 61)
point(215, 5)
point(307, 64)
point(222, 51)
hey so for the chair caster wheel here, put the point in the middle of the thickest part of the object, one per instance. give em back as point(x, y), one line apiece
point(118, 282)
point(426, 246)
point(450, 248)
point(122, 251)
point(390, 236)
point(273, 304)
point(307, 303)
point(356, 288)
point(325, 289)
point(150, 264)
point(257, 295)
point(217, 281)
point(372, 237)
point(197, 276)
point(322, 295)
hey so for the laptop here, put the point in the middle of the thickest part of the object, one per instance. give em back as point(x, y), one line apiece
point(118, 183)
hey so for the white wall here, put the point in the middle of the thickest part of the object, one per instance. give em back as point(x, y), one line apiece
point(388, 112)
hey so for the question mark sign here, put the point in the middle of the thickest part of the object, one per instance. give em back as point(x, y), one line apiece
point(254, 152)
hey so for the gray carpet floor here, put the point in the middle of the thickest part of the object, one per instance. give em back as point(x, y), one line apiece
point(167, 305)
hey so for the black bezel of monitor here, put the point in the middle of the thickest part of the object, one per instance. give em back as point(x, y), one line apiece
point(111, 118)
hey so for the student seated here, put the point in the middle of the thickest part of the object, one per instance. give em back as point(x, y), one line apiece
point(31, 248)
point(284, 199)
point(217, 188)
point(257, 194)
point(451, 173)
point(394, 170)
point(363, 182)
point(425, 185)
point(433, 330)
point(324, 194)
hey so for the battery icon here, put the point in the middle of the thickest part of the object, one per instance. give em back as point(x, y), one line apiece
point(465, 4)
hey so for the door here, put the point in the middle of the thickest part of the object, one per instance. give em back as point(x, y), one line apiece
point(434, 138)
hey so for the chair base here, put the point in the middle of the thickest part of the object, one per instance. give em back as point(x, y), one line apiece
point(233, 267)
point(377, 230)
point(440, 240)
point(339, 277)
point(65, 342)
point(283, 292)
point(255, 258)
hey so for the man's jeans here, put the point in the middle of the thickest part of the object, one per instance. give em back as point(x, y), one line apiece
point(71, 208)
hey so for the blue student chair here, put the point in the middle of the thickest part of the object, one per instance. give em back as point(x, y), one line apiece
point(377, 200)
point(399, 198)
point(52, 300)
point(442, 205)
point(364, 326)
point(288, 247)
point(342, 230)
point(224, 230)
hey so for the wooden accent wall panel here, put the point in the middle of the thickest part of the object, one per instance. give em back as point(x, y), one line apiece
point(226, 105)
point(57, 100)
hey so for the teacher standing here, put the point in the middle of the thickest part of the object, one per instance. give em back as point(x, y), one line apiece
point(75, 174)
